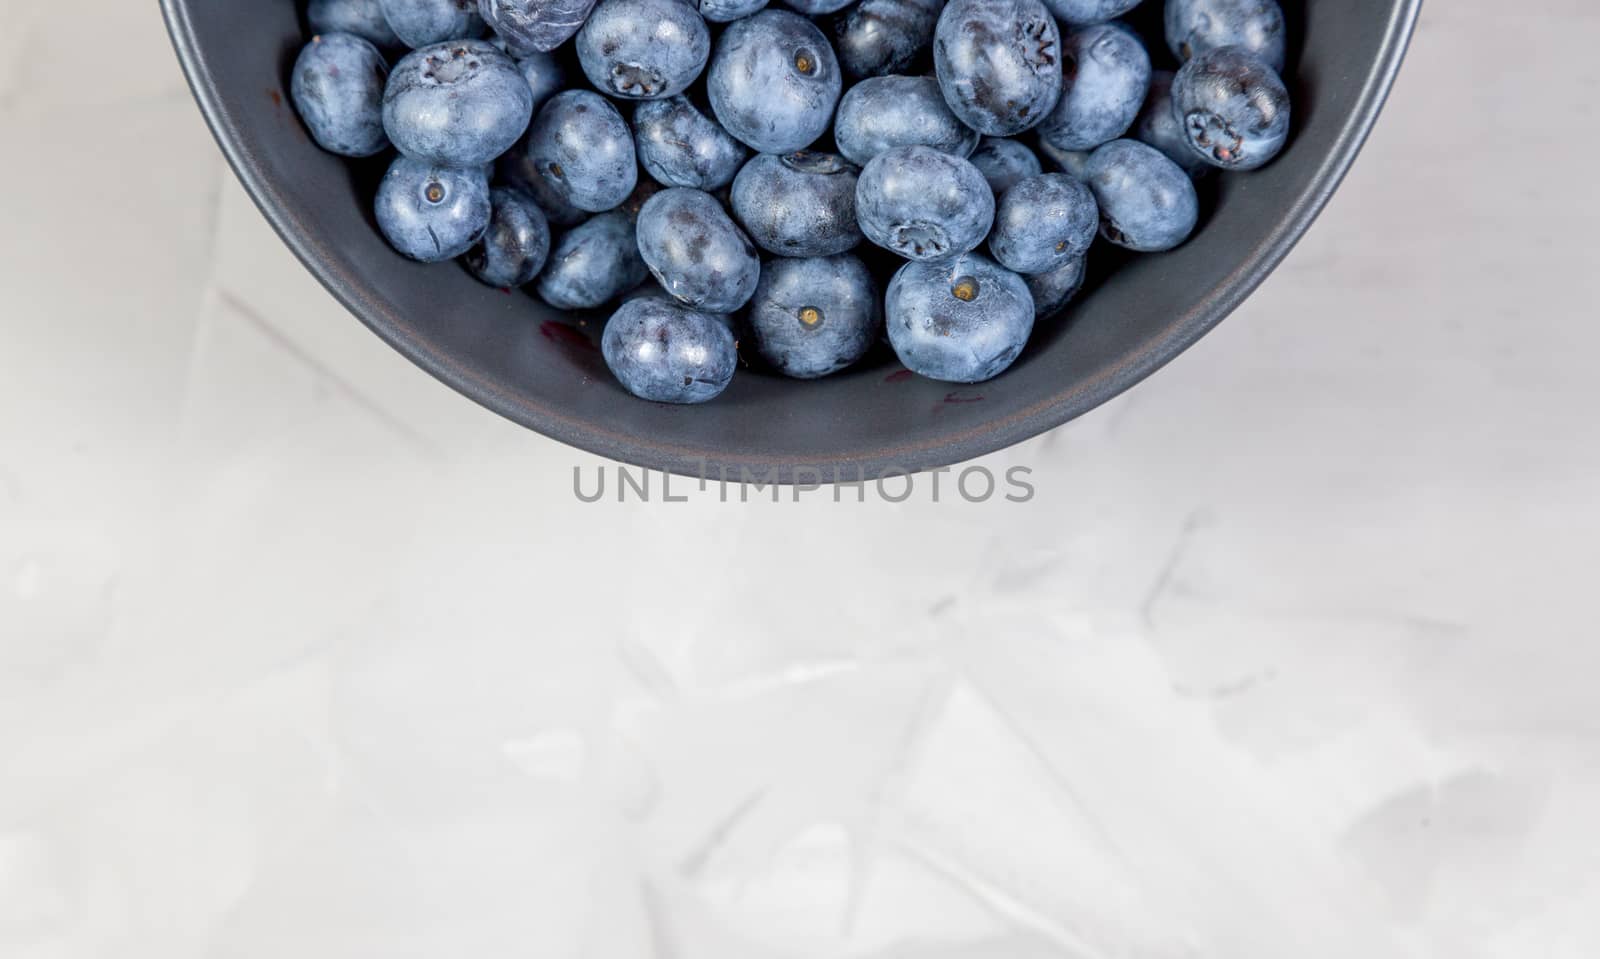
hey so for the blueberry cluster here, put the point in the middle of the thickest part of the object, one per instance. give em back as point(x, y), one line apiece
point(723, 160)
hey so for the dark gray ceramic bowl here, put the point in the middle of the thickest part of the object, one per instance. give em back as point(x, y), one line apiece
point(540, 367)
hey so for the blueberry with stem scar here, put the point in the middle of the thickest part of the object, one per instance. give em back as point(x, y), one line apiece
point(583, 149)
point(998, 63)
point(1043, 222)
point(461, 103)
point(643, 49)
point(923, 204)
point(965, 320)
point(1234, 109)
point(432, 213)
point(773, 82)
point(814, 316)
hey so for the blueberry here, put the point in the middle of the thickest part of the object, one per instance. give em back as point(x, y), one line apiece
point(663, 351)
point(593, 263)
point(1234, 108)
point(643, 49)
point(1147, 203)
point(1159, 126)
point(419, 23)
point(1004, 162)
point(817, 8)
point(879, 37)
point(530, 26)
point(337, 86)
point(518, 169)
point(1052, 291)
point(924, 204)
point(545, 75)
point(999, 63)
point(1082, 13)
point(1106, 74)
point(364, 18)
point(724, 11)
point(883, 112)
point(680, 146)
point(814, 316)
point(802, 204)
point(1200, 26)
point(461, 103)
point(696, 252)
point(773, 81)
point(1074, 162)
point(432, 213)
point(514, 249)
point(582, 147)
point(962, 321)
point(1044, 222)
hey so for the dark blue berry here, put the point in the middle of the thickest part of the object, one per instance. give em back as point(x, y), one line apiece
point(583, 148)
point(1044, 222)
point(337, 85)
point(962, 321)
point(419, 23)
point(1159, 126)
point(1052, 291)
point(875, 38)
point(1200, 26)
point(1074, 162)
point(883, 112)
point(1106, 74)
point(1082, 13)
point(643, 49)
point(773, 81)
point(999, 63)
point(364, 18)
point(725, 11)
point(517, 243)
point(518, 169)
point(802, 204)
point(924, 204)
point(663, 351)
point(530, 26)
point(1234, 108)
point(430, 212)
point(545, 75)
point(680, 146)
point(1147, 203)
point(814, 316)
point(696, 252)
point(817, 8)
point(1003, 162)
point(461, 103)
point(593, 263)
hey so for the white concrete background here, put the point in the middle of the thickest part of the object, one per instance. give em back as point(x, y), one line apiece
point(1293, 655)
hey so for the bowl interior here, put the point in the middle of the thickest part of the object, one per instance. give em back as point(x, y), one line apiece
point(540, 367)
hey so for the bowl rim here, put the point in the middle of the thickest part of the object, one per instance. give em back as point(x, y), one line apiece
point(1065, 404)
